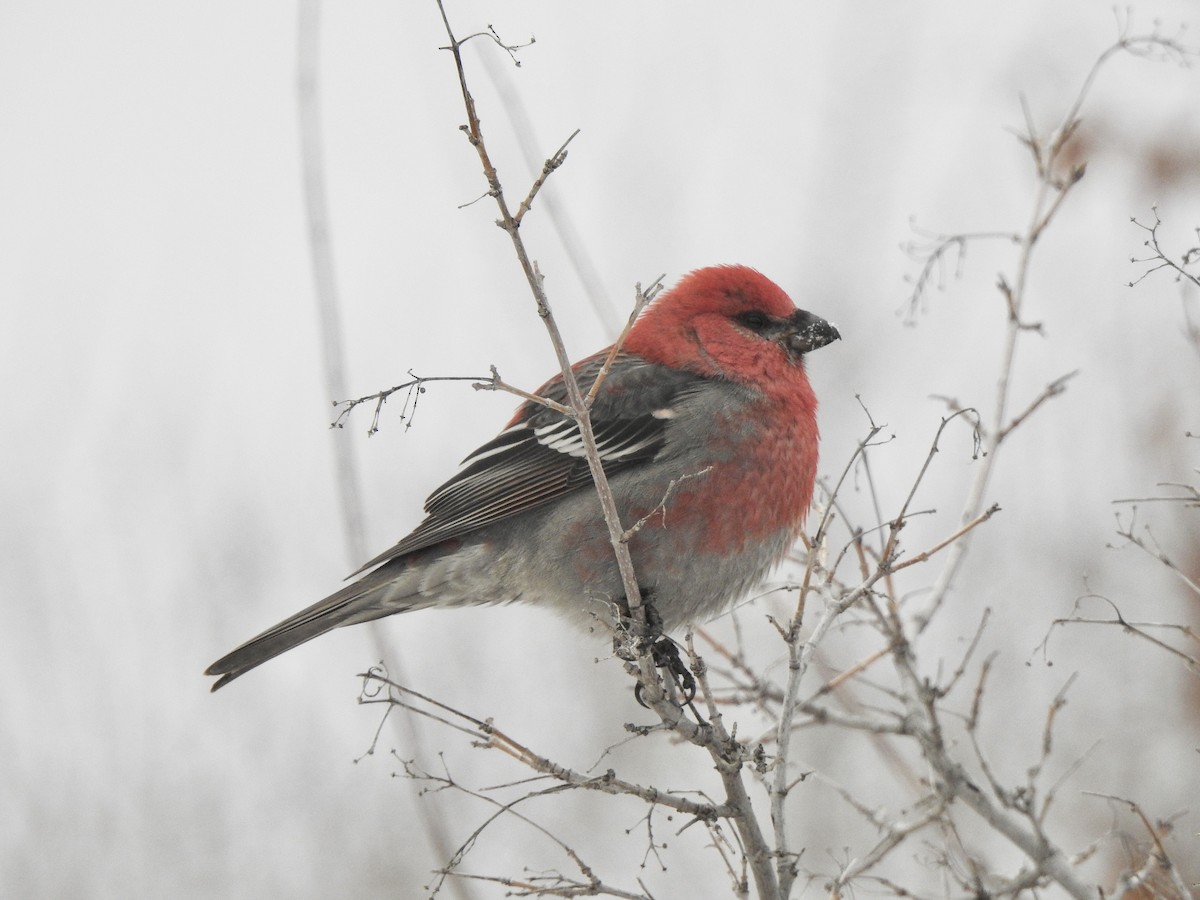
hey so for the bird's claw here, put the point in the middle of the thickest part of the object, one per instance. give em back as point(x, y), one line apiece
point(665, 653)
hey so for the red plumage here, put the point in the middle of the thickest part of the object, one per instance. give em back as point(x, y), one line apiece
point(706, 424)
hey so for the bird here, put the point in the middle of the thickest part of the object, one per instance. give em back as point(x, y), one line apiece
point(706, 426)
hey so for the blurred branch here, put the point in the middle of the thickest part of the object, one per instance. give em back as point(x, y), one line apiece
point(1136, 629)
point(320, 248)
point(333, 357)
point(1056, 178)
point(1158, 862)
point(1155, 552)
point(934, 251)
point(1189, 498)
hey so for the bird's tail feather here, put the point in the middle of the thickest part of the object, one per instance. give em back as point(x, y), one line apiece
point(352, 604)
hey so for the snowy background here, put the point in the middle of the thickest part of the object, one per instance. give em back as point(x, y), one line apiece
point(167, 486)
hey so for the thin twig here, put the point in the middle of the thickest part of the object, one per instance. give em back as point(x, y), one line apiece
point(559, 157)
point(641, 300)
point(414, 387)
point(488, 736)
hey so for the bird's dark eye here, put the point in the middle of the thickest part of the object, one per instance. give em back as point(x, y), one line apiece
point(754, 320)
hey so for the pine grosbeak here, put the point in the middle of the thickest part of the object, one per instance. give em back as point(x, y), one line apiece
point(707, 427)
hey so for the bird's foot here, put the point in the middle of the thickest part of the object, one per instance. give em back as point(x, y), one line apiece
point(634, 636)
point(647, 633)
point(665, 653)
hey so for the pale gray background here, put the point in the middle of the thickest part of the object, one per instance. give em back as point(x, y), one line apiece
point(166, 479)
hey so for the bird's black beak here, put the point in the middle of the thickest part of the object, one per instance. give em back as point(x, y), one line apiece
point(806, 332)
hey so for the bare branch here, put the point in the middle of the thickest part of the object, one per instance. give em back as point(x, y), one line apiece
point(661, 509)
point(924, 555)
point(1137, 629)
point(414, 389)
point(487, 736)
point(559, 157)
point(933, 252)
point(496, 383)
point(1156, 552)
point(1159, 259)
point(1157, 861)
point(641, 300)
point(1053, 389)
